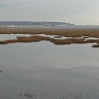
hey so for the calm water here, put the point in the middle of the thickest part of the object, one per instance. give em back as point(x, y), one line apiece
point(11, 36)
point(48, 71)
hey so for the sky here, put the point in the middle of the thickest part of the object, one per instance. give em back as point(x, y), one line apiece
point(78, 12)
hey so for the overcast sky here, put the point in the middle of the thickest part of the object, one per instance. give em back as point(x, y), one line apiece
point(73, 11)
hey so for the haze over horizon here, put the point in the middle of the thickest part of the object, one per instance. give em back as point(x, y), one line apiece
point(78, 12)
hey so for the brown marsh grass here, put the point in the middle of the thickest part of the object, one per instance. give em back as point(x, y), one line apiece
point(42, 38)
point(74, 34)
point(66, 33)
point(96, 45)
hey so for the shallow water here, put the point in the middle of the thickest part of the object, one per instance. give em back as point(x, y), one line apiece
point(11, 36)
point(48, 71)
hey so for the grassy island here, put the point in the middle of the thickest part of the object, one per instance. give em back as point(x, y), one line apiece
point(78, 36)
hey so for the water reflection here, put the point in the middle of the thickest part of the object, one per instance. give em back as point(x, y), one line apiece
point(48, 71)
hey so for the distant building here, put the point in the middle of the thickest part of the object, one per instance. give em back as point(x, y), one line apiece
point(33, 24)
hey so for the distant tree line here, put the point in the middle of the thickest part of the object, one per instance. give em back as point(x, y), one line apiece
point(4, 23)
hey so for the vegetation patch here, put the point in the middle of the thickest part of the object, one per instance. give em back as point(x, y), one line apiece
point(96, 45)
point(77, 36)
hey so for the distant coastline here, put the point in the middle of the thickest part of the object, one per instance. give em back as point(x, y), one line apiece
point(30, 24)
point(43, 25)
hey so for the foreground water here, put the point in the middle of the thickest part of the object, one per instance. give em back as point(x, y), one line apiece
point(46, 71)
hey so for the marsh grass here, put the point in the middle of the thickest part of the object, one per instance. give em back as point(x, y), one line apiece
point(66, 33)
point(77, 36)
point(8, 41)
point(53, 40)
point(96, 45)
